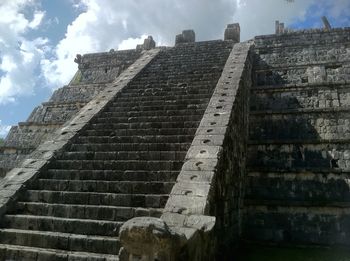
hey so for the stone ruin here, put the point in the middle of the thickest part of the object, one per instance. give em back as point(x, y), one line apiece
point(185, 152)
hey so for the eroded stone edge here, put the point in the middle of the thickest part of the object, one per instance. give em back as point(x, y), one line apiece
point(187, 209)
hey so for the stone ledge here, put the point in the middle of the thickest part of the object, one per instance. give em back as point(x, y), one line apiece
point(298, 66)
point(267, 49)
point(298, 170)
point(300, 111)
point(13, 150)
point(286, 203)
point(40, 124)
point(299, 176)
point(84, 85)
point(298, 209)
point(306, 141)
point(63, 104)
point(273, 49)
point(305, 31)
point(302, 86)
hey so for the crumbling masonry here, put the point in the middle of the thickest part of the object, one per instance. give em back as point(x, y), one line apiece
point(185, 152)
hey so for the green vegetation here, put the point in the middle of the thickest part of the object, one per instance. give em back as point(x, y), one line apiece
point(77, 78)
point(294, 254)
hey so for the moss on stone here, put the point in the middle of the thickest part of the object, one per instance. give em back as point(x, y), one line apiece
point(77, 78)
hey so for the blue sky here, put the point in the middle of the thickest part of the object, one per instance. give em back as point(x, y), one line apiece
point(40, 38)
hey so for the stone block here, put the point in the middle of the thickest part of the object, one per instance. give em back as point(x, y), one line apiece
point(233, 32)
point(190, 189)
point(200, 165)
point(204, 152)
point(316, 74)
point(196, 176)
point(148, 44)
point(187, 205)
point(187, 36)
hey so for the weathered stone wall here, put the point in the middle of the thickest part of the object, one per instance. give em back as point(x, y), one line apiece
point(301, 125)
point(306, 37)
point(104, 67)
point(302, 75)
point(304, 57)
point(305, 96)
point(299, 152)
point(227, 202)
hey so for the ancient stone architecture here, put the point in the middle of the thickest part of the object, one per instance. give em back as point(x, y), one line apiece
point(186, 152)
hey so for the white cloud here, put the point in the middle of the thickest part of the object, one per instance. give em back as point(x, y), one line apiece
point(339, 10)
point(258, 17)
point(107, 24)
point(130, 43)
point(38, 17)
point(4, 129)
point(19, 57)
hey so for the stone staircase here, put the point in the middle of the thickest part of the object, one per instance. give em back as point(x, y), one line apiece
point(298, 154)
point(123, 165)
point(94, 73)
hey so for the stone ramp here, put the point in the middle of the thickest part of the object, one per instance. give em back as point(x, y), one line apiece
point(122, 165)
point(298, 153)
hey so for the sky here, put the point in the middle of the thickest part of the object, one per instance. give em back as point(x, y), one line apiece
point(39, 39)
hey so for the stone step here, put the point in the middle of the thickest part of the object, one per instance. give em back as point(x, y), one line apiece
point(158, 91)
point(306, 97)
point(296, 203)
point(103, 119)
point(311, 111)
point(63, 225)
point(296, 225)
point(117, 164)
point(163, 98)
point(298, 186)
point(62, 241)
point(159, 102)
point(180, 147)
point(195, 71)
point(106, 140)
point(140, 114)
point(110, 126)
point(306, 169)
point(319, 126)
point(161, 107)
point(176, 82)
point(111, 153)
point(304, 156)
point(111, 175)
point(89, 198)
point(25, 253)
point(97, 212)
point(184, 88)
point(141, 132)
point(124, 187)
point(297, 141)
